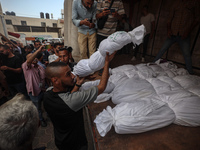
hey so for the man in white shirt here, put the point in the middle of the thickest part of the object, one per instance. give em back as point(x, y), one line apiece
point(55, 56)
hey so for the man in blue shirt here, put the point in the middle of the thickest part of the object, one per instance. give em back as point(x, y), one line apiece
point(84, 17)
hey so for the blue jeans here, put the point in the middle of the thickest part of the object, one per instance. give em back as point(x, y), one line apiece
point(185, 48)
point(37, 100)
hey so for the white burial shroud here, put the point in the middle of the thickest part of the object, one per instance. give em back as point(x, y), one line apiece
point(113, 43)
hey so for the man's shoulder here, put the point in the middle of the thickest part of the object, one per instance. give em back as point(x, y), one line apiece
point(76, 1)
point(49, 94)
point(150, 14)
point(15, 60)
point(49, 91)
point(15, 57)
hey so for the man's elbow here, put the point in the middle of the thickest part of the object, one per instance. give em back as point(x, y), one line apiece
point(75, 22)
point(101, 89)
point(19, 70)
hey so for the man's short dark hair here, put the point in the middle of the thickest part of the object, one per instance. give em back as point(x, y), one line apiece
point(43, 41)
point(57, 64)
point(32, 47)
point(56, 44)
point(39, 55)
point(36, 41)
point(69, 49)
point(51, 70)
point(5, 47)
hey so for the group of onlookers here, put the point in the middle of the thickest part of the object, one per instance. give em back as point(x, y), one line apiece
point(22, 69)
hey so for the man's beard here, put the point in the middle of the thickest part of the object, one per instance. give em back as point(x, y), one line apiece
point(69, 88)
point(88, 8)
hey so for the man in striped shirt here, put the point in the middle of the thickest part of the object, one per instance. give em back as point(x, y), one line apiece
point(113, 17)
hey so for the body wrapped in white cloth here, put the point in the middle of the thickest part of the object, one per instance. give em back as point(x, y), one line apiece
point(113, 43)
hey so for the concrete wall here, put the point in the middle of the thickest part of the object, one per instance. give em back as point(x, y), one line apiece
point(160, 8)
point(71, 31)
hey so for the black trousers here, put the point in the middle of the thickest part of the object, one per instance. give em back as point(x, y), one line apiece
point(145, 44)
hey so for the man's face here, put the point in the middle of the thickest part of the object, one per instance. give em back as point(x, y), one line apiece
point(88, 3)
point(66, 78)
point(37, 45)
point(4, 51)
point(35, 61)
point(64, 56)
point(57, 48)
point(144, 11)
point(10, 46)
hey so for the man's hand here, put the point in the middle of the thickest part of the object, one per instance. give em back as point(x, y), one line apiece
point(115, 14)
point(110, 57)
point(41, 48)
point(92, 25)
point(105, 12)
point(4, 67)
point(80, 80)
point(85, 22)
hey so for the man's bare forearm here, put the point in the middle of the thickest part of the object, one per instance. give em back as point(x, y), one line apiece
point(104, 79)
point(33, 56)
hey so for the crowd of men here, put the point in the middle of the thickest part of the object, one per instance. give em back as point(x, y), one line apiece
point(33, 69)
point(63, 102)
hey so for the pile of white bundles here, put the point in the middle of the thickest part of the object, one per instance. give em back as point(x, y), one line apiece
point(113, 43)
point(150, 96)
point(147, 96)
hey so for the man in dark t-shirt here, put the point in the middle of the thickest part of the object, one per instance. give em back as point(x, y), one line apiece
point(11, 66)
point(64, 104)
